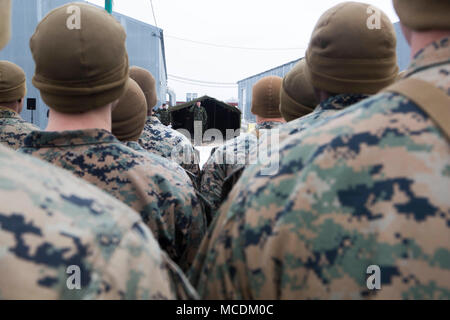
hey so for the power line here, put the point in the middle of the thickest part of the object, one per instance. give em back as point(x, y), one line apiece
point(153, 11)
point(203, 85)
point(203, 82)
point(232, 47)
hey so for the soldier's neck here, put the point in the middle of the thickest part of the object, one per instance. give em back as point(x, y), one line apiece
point(96, 119)
point(12, 106)
point(260, 120)
point(420, 40)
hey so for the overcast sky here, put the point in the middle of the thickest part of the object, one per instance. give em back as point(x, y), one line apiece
point(270, 24)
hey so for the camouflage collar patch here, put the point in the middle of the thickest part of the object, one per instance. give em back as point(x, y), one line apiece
point(341, 101)
point(436, 53)
point(39, 139)
point(267, 125)
point(135, 146)
point(8, 113)
point(153, 121)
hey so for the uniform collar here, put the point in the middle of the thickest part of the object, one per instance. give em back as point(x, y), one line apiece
point(153, 121)
point(134, 145)
point(435, 54)
point(340, 102)
point(8, 113)
point(267, 125)
point(39, 139)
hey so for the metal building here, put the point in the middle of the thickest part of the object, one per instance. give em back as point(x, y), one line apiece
point(246, 85)
point(145, 45)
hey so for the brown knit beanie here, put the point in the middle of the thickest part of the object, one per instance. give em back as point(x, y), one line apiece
point(347, 54)
point(297, 94)
point(13, 85)
point(5, 22)
point(130, 115)
point(79, 69)
point(147, 82)
point(266, 98)
point(424, 15)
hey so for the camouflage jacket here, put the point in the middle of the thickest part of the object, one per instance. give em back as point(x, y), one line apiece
point(369, 187)
point(227, 159)
point(166, 200)
point(13, 129)
point(199, 114)
point(54, 226)
point(169, 165)
point(170, 144)
point(270, 143)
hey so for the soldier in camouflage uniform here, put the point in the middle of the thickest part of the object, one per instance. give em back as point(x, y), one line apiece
point(82, 143)
point(68, 223)
point(199, 114)
point(13, 129)
point(162, 140)
point(297, 94)
point(71, 223)
point(128, 121)
point(234, 155)
point(200, 119)
point(367, 187)
point(164, 115)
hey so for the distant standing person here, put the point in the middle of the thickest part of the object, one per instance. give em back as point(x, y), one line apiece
point(164, 115)
point(200, 118)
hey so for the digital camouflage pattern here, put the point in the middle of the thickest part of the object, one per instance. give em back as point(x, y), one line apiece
point(233, 154)
point(367, 187)
point(165, 199)
point(50, 220)
point(13, 129)
point(170, 144)
point(268, 125)
point(322, 112)
point(169, 165)
point(226, 159)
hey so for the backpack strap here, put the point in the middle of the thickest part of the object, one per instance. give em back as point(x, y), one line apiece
point(432, 100)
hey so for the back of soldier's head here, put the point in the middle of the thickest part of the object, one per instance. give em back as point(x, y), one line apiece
point(266, 98)
point(350, 53)
point(130, 114)
point(12, 83)
point(297, 97)
point(147, 83)
point(424, 15)
point(81, 58)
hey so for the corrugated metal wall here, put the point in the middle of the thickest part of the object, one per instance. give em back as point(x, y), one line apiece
point(403, 50)
point(145, 47)
point(246, 85)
